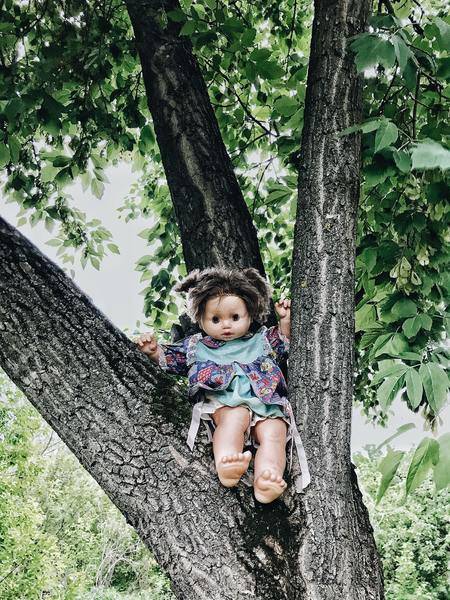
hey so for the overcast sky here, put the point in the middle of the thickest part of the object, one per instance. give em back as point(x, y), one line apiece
point(115, 288)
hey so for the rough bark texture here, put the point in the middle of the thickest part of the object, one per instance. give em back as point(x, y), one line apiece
point(216, 227)
point(126, 422)
point(337, 558)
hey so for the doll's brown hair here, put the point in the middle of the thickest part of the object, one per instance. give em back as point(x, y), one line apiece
point(247, 284)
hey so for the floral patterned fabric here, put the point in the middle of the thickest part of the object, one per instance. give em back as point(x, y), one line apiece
point(211, 364)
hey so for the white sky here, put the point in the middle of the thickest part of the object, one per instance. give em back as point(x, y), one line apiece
point(115, 288)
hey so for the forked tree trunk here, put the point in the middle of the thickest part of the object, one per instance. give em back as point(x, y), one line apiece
point(126, 421)
point(337, 557)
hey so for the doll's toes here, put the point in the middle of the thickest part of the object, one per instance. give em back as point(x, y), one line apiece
point(268, 486)
point(231, 467)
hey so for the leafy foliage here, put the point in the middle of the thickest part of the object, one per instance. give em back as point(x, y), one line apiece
point(411, 533)
point(60, 536)
point(72, 101)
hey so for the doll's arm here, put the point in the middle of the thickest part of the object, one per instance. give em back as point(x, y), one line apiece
point(148, 345)
point(170, 357)
point(283, 309)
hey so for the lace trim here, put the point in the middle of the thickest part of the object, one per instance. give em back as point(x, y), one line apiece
point(162, 359)
point(192, 347)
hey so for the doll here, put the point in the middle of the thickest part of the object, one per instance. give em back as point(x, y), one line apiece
point(235, 381)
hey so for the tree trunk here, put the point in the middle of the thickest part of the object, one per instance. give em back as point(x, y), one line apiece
point(126, 422)
point(338, 557)
point(215, 225)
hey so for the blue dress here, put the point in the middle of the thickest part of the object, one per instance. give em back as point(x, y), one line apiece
point(239, 391)
point(240, 372)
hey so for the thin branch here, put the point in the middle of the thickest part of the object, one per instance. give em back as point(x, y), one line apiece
point(291, 33)
point(244, 106)
point(416, 101)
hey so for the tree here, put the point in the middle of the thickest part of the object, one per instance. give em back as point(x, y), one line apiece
point(151, 478)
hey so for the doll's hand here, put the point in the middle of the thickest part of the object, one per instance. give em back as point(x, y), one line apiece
point(148, 345)
point(283, 309)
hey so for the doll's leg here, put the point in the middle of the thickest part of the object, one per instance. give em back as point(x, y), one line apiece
point(270, 459)
point(228, 443)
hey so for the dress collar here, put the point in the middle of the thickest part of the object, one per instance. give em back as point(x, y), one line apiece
point(213, 343)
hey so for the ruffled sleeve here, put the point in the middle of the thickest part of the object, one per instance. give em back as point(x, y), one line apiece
point(278, 342)
point(177, 358)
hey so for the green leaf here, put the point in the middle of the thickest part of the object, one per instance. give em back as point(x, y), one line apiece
point(388, 390)
point(177, 15)
point(269, 70)
point(55, 242)
point(372, 50)
point(402, 52)
point(444, 32)
point(426, 321)
point(388, 468)
point(410, 356)
point(430, 155)
point(365, 127)
point(97, 188)
point(397, 370)
point(248, 37)
point(435, 383)
point(404, 308)
point(95, 262)
point(426, 455)
point(411, 327)
point(403, 160)
point(145, 260)
point(4, 155)
point(188, 28)
point(14, 148)
point(402, 429)
point(375, 174)
point(410, 75)
point(386, 135)
point(114, 249)
point(394, 346)
point(369, 257)
point(414, 388)
point(441, 471)
point(286, 105)
point(48, 173)
point(259, 54)
point(365, 317)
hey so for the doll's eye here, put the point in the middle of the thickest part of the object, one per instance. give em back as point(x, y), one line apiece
point(235, 317)
point(215, 319)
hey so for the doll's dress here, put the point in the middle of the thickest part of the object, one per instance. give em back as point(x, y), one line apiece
point(239, 391)
point(239, 372)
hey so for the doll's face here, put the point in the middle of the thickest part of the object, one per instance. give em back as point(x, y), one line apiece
point(225, 318)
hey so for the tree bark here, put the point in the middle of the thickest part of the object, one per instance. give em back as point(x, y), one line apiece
point(126, 422)
point(215, 225)
point(338, 557)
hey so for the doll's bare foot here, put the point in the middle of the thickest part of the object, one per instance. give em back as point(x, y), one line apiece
point(230, 468)
point(268, 486)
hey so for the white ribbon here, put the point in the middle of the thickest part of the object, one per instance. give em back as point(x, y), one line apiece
point(304, 479)
point(195, 424)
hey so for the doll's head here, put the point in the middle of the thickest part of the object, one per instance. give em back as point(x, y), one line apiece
point(224, 302)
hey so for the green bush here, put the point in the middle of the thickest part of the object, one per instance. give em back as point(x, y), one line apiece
point(60, 536)
point(412, 533)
